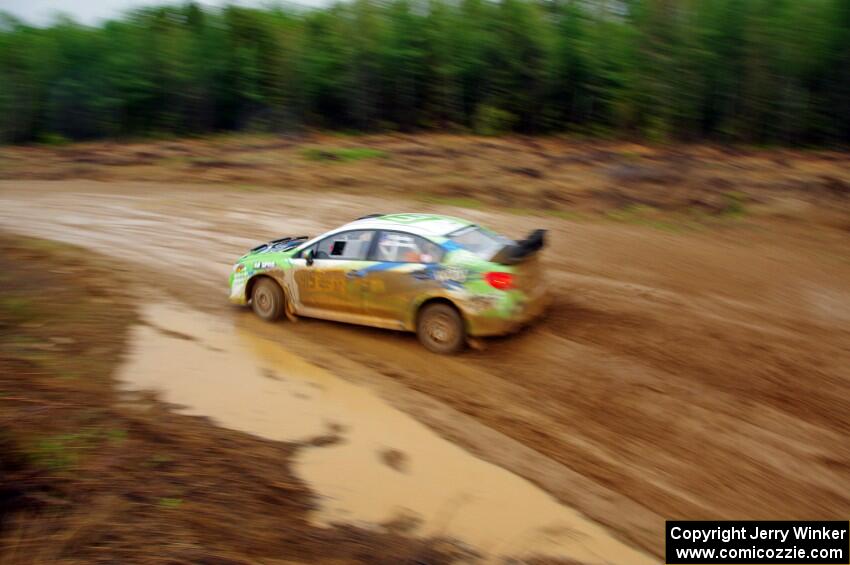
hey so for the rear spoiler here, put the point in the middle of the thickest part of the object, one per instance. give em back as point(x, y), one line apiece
point(521, 250)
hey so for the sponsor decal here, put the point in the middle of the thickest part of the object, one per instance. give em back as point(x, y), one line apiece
point(481, 302)
point(453, 274)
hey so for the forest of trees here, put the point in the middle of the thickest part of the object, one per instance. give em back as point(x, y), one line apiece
point(750, 71)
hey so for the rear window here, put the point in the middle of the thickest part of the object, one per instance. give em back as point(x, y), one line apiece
point(476, 239)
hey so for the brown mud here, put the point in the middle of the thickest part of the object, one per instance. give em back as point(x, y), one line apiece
point(225, 371)
point(691, 366)
point(90, 474)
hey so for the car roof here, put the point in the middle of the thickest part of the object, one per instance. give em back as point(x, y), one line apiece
point(419, 224)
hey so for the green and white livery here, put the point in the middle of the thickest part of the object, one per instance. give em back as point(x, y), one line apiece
point(444, 278)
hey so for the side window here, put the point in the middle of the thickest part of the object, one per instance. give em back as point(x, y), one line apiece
point(399, 247)
point(350, 245)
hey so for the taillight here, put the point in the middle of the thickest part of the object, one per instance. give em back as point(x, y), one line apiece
point(501, 281)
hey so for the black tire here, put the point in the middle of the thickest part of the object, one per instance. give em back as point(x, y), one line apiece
point(440, 329)
point(267, 300)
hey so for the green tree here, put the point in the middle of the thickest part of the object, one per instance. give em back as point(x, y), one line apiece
point(758, 71)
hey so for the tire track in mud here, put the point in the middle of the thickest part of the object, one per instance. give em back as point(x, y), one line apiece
point(701, 432)
point(164, 269)
point(686, 376)
point(657, 378)
point(400, 375)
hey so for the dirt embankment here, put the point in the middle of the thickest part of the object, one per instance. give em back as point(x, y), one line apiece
point(664, 185)
point(88, 474)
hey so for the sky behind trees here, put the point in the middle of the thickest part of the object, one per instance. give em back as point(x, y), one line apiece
point(92, 12)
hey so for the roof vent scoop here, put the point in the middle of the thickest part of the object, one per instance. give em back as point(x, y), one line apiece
point(517, 252)
point(280, 244)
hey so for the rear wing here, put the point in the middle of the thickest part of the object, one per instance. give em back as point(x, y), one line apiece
point(521, 250)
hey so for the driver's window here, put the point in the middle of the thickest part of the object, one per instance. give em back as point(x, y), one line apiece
point(350, 245)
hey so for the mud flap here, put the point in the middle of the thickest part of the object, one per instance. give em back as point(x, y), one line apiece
point(290, 313)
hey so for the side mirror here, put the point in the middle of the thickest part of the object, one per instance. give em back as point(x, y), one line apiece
point(309, 256)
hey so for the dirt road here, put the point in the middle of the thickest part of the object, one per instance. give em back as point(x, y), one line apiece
point(699, 374)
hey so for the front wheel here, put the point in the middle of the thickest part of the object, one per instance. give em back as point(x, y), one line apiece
point(267, 300)
point(440, 328)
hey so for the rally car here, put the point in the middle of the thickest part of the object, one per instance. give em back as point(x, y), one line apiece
point(442, 277)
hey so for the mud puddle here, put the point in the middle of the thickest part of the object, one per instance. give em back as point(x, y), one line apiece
point(383, 466)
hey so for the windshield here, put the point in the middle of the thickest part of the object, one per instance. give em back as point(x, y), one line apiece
point(482, 242)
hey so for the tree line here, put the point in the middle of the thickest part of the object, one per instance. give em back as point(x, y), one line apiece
point(752, 71)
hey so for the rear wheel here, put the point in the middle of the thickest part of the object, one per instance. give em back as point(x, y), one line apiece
point(267, 300)
point(440, 328)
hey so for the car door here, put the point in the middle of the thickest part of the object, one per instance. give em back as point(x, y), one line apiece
point(403, 273)
point(331, 284)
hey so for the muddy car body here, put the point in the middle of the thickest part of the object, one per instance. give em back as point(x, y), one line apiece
point(445, 278)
